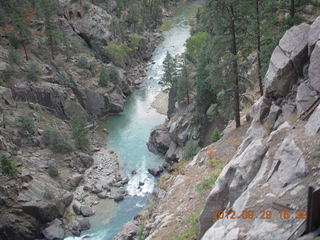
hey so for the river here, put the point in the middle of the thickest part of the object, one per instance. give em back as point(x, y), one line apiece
point(130, 131)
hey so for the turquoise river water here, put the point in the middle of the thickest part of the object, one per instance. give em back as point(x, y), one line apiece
point(130, 130)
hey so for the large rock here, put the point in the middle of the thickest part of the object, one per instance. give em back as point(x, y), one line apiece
point(233, 180)
point(91, 24)
point(305, 97)
point(54, 231)
point(313, 125)
point(287, 61)
point(289, 165)
point(314, 70)
point(6, 98)
point(128, 232)
point(155, 171)
point(314, 35)
point(294, 44)
point(159, 140)
point(86, 211)
point(81, 162)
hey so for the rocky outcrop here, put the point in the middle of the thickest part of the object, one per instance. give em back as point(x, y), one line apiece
point(159, 140)
point(169, 138)
point(274, 165)
point(54, 231)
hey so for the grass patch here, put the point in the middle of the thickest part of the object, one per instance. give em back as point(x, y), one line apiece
point(192, 230)
point(208, 182)
point(57, 142)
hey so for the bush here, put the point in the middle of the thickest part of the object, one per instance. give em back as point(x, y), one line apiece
point(14, 41)
point(79, 132)
point(215, 135)
point(117, 53)
point(190, 149)
point(114, 75)
point(33, 72)
point(83, 63)
point(7, 166)
point(134, 42)
point(104, 78)
point(27, 124)
point(53, 171)
point(8, 73)
point(52, 138)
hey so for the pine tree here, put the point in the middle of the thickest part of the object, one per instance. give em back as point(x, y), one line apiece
point(170, 72)
point(184, 83)
point(52, 30)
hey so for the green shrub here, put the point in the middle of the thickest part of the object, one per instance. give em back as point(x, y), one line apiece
point(141, 232)
point(27, 124)
point(190, 149)
point(117, 53)
point(52, 138)
point(114, 75)
point(104, 78)
point(80, 133)
point(83, 63)
point(7, 166)
point(33, 72)
point(14, 41)
point(215, 135)
point(53, 171)
point(47, 194)
point(134, 42)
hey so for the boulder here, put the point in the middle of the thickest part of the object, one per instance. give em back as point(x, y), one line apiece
point(103, 195)
point(6, 98)
point(93, 24)
point(128, 231)
point(84, 224)
point(76, 206)
point(305, 97)
point(118, 197)
point(294, 44)
point(289, 165)
point(233, 180)
point(314, 70)
point(86, 211)
point(155, 171)
point(159, 140)
point(314, 35)
point(97, 188)
point(287, 61)
point(54, 231)
point(280, 76)
point(313, 125)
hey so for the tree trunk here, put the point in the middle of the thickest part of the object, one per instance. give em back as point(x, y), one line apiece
point(25, 51)
point(234, 51)
point(259, 47)
point(292, 8)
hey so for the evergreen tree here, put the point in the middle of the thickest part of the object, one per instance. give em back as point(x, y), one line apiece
point(170, 72)
point(184, 83)
point(52, 30)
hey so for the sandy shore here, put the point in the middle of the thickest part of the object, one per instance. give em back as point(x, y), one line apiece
point(161, 103)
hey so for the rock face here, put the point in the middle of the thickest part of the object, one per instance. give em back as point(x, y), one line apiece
point(159, 140)
point(54, 231)
point(272, 167)
point(129, 231)
point(287, 61)
point(169, 138)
